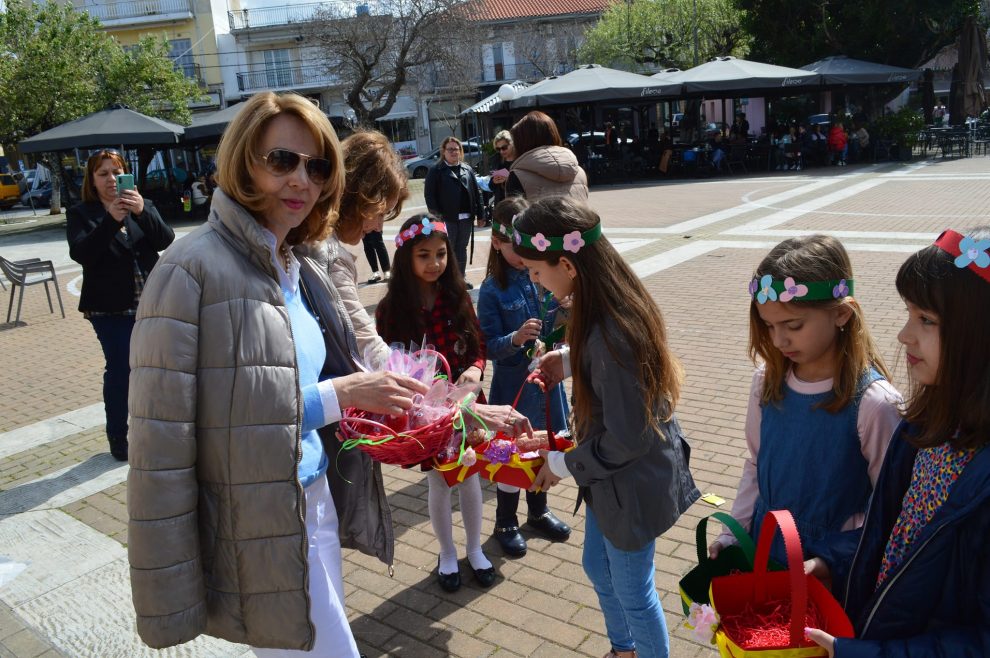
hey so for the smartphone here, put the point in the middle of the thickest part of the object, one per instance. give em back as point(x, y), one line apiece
point(124, 182)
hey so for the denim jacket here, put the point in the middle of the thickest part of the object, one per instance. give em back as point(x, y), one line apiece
point(501, 312)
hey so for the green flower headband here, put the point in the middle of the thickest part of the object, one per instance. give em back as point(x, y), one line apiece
point(502, 230)
point(766, 290)
point(571, 242)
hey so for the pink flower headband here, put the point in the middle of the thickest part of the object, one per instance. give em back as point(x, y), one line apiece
point(425, 227)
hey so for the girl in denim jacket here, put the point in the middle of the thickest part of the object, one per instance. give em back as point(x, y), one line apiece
point(516, 317)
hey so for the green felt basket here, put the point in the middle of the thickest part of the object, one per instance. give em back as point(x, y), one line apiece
point(696, 583)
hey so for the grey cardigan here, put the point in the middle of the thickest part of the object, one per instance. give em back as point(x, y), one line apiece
point(217, 538)
point(636, 481)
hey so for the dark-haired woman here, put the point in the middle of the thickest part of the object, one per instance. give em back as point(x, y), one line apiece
point(116, 238)
point(543, 167)
point(452, 194)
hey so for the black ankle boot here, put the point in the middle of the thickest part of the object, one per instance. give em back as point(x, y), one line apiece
point(118, 448)
point(507, 525)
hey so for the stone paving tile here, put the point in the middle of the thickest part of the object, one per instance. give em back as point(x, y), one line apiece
point(58, 368)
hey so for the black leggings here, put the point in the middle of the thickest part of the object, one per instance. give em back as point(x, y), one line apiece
point(374, 247)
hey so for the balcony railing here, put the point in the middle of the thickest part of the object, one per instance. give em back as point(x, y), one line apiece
point(288, 77)
point(133, 9)
point(521, 71)
point(244, 19)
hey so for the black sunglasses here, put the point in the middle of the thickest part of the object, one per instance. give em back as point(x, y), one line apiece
point(501, 148)
point(282, 162)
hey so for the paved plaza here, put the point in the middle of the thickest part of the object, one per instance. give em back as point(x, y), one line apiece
point(695, 245)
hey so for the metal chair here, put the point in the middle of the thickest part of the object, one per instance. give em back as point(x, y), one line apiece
point(737, 157)
point(26, 273)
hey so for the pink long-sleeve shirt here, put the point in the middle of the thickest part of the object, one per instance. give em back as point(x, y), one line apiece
point(878, 417)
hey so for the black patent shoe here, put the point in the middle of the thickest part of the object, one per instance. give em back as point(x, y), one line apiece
point(511, 540)
point(485, 577)
point(550, 526)
point(449, 582)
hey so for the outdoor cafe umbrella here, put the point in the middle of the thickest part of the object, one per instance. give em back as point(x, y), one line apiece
point(592, 83)
point(955, 109)
point(731, 76)
point(210, 125)
point(972, 57)
point(115, 125)
point(841, 70)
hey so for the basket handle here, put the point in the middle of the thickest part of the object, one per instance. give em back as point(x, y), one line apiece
point(745, 541)
point(440, 357)
point(551, 437)
point(795, 567)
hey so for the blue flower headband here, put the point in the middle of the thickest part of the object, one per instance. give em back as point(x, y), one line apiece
point(425, 227)
point(969, 252)
point(765, 289)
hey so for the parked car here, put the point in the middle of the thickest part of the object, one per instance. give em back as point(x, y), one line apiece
point(10, 193)
point(578, 142)
point(42, 195)
point(417, 167)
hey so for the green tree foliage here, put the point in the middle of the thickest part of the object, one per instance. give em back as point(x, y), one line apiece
point(903, 33)
point(660, 33)
point(56, 65)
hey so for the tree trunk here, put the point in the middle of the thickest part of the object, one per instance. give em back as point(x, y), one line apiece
point(54, 165)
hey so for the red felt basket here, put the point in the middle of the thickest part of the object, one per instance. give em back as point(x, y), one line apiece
point(746, 602)
point(383, 444)
point(519, 471)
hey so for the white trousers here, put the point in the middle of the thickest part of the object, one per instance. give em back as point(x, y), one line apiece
point(326, 581)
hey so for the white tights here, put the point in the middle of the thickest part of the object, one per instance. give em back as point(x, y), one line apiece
point(441, 517)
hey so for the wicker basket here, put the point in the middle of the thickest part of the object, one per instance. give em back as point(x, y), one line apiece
point(386, 445)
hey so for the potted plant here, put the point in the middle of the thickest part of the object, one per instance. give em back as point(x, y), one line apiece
point(901, 128)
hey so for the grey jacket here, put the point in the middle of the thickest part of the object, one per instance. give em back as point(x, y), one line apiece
point(217, 539)
point(548, 171)
point(636, 481)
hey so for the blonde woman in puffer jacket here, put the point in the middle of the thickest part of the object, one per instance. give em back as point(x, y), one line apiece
point(240, 365)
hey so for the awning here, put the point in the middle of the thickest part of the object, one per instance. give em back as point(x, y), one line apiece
point(490, 103)
point(841, 70)
point(591, 83)
point(730, 76)
point(403, 108)
point(111, 127)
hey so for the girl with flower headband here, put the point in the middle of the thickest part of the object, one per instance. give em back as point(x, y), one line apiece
point(821, 410)
point(631, 459)
point(516, 317)
point(427, 303)
point(916, 580)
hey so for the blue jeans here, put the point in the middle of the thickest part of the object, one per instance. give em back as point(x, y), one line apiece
point(114, 332)
point(626, 592)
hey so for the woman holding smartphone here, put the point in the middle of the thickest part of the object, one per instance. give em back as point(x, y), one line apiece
point(505, 153)
point(115, 234)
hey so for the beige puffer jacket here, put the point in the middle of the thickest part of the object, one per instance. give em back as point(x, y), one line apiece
point(217, 540)
point(549, 171)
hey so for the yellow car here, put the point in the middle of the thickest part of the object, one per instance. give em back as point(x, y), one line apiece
point(10, 194)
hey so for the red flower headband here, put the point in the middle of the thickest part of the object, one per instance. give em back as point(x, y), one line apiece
point(425, 227)
point(969, 252)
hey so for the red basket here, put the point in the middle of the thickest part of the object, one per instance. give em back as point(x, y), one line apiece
point(519, 472)
point(398, 448)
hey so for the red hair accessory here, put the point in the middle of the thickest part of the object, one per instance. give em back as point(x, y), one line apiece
point(969, 252)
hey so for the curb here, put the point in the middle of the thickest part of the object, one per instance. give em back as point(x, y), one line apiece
point(33, 224)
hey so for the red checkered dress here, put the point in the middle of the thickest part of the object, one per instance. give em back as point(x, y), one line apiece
point(442, 334)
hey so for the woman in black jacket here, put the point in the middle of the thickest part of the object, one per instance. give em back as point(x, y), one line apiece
point(452, 195)
point(116, 238)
